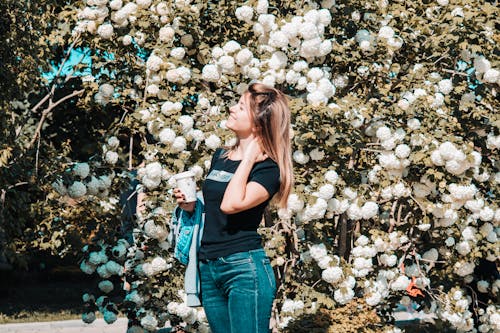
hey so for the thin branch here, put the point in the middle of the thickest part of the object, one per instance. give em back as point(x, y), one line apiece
point(130, 152)
point(46, 112)
point(36, 158)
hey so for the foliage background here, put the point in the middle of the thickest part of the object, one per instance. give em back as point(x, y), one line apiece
point(43, 140)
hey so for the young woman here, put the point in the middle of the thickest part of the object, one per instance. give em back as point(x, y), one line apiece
point(237, 280)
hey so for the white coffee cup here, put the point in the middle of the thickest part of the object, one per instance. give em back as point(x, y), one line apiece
point(187, 184)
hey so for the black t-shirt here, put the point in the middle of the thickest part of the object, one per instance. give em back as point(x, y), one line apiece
point(225, 234)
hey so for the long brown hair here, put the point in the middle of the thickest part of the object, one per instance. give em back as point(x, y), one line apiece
point(271, 117)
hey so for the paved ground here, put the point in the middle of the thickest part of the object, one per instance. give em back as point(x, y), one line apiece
point(67, 326)
point(120, 326)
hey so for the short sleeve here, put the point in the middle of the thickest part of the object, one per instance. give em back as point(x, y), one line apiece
point(267, 174)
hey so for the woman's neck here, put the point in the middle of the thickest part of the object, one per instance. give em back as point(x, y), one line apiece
point(237, 154)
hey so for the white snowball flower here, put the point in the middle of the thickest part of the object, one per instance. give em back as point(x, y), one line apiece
point(231, 47)
point(316, 154)
point(300, 157)
point(386, 32)
point(88, 317)
point(383, 133)
point(87, 268)
point(210, 73)
point(151, 229)
point(331, 176)
point(159, 265)
point(262, 6)
point(324, 262)
point(197, 135)
point(481, 64)
point(332, 275)
point(187, 122)
point(111, 157)
point(445, 86)
point(149, 322)
point(300, 66)
point(143, 3)
point(436, 158)
point(81, 170)
point(402, 151)
point(116, 4)
point(354, 212)
point(317, 251)
point(369, 210)
point(167, 136)
point(77, 190)
point(374, 298)
point(388, 144)
point(401, 283)
point(113, 142)
point(295, 203)
point(483, 286)
point(343, 295)
point(166, 34)
point(388, 260)
point(243, 57)
point(180, 75)
point(106, 286)
point(350, 193)
point(317, 98)
point(491, 75)
point(486, 214)
point(178, 53)
point(244, 13)
point(463, 268)
point(154, 63)
point(463, 248)
point(315, 74)
point(326, 191)
point(278, 39)
point(105, 31)
point(179, 144)
point(213, 142)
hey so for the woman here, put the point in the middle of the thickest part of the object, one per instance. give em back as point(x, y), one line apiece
point(237, 280)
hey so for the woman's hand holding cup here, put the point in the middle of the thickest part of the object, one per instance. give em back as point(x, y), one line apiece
point(181, 201)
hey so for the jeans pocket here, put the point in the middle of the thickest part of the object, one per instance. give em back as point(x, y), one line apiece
point(269, 272)
point(237, 258)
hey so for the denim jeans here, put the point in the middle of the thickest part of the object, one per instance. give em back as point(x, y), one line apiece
point(238, 291)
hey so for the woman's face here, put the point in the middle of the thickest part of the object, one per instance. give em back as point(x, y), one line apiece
point(240, 118)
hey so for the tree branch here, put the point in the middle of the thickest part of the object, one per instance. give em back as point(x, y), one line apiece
point(49, 109)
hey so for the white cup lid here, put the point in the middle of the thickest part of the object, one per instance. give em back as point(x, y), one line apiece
point(186, 174)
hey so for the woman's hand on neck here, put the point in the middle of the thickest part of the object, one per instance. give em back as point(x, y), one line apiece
point(250, 149)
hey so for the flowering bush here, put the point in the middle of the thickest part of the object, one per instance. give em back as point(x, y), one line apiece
point(395, 143)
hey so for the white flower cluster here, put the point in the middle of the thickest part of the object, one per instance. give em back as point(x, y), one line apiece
point(135, 297)
point(484, 72)
point(110, 150)
point(333, 274)
point(105, 94)
point(186, 313)
point(152, 174)
point(453, 159)
point(149, 322)
point(489, 319)
point(106, 286)
point(156, 231)
point(455, 310)
point(407, 99)
point(290, 306)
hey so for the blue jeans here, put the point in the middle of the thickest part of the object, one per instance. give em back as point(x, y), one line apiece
point(238, 292)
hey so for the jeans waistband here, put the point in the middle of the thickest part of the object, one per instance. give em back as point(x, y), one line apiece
point(205, 261)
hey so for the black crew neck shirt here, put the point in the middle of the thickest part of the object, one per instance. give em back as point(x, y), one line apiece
point(225, 234)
